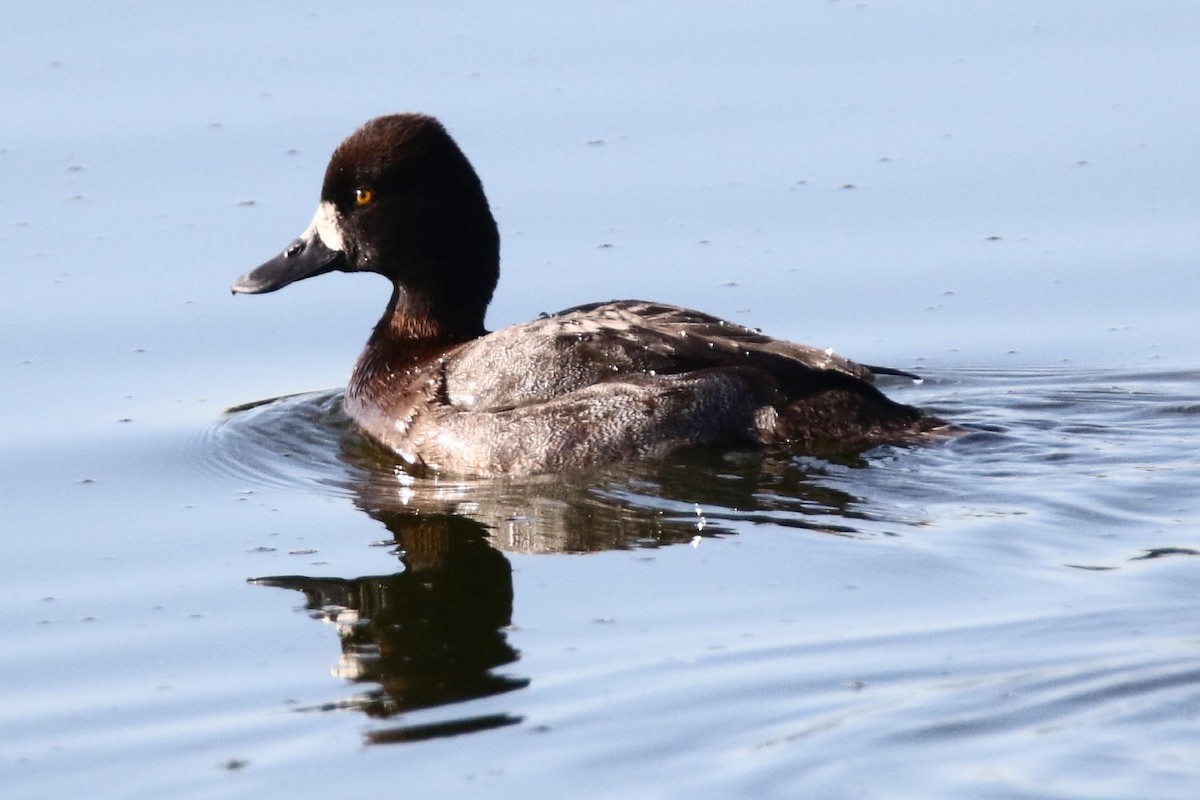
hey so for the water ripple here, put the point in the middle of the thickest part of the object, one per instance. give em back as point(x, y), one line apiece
point(1056, 449)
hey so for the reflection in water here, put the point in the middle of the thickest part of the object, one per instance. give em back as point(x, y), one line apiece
point(429, 635)
point(435, 633)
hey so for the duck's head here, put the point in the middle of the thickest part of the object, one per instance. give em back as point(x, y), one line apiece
point(400, 199)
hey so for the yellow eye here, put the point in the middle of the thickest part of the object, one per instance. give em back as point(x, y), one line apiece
point(363, 195)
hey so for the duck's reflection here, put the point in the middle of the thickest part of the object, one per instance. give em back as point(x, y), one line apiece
point(432, 634)
point(436, 632)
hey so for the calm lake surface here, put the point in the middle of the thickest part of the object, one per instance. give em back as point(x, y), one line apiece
point(213, 594)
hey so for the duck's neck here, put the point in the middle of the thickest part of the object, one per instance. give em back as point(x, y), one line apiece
point(415, 317)
point(416, 330)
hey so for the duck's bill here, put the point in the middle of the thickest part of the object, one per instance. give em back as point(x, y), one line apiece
point(316, 251)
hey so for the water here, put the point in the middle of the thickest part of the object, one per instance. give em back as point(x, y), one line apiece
point(212, 603)
point(1005, 615)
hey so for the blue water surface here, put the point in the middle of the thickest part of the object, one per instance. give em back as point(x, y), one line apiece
point(213, 603)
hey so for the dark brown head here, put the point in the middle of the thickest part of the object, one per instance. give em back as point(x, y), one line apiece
point(400, 199)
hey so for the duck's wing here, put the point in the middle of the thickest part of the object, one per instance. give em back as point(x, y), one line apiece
point(582, 346)
point(695, 337)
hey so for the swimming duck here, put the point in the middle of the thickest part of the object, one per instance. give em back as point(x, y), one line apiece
point(589, 385)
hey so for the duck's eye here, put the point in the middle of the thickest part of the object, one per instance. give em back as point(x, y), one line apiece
point(363, 195)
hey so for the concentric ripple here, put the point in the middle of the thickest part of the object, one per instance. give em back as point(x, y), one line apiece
point(293, 443)
point(1105, 426)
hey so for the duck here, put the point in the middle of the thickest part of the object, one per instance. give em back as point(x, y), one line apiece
point(588, 386)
